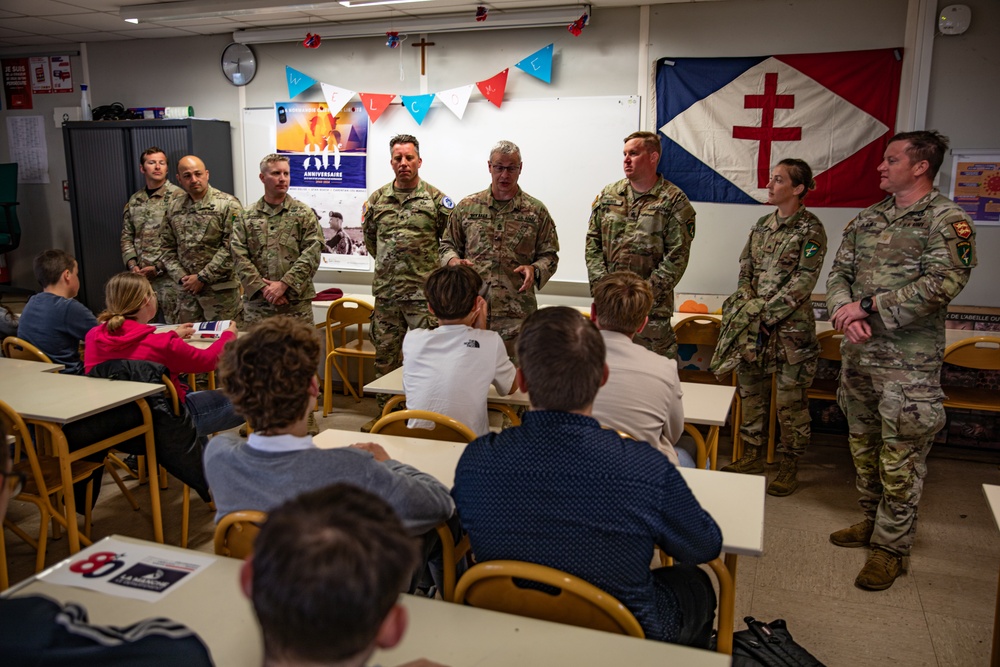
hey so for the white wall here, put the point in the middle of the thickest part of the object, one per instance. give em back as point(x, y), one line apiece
point(603, 61)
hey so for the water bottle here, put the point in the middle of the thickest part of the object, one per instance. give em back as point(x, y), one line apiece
point(85, 113)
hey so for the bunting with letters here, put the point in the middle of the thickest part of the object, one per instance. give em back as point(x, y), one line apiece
point(726, 121)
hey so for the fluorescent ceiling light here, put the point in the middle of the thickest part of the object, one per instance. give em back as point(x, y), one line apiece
point(372, 3)
point(440, 23)
point(199, 9)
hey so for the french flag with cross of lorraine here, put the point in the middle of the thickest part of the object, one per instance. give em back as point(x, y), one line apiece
point(724, 122)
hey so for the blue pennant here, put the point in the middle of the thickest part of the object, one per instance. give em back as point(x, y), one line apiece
point(297, 82)
point(539, 64)
point(418, 105)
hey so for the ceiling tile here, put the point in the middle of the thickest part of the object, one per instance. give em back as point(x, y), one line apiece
point(156, 33)
point(41, 7)
point(33, 40)
point(39, 26)
point(95, 37)
point(96, 21)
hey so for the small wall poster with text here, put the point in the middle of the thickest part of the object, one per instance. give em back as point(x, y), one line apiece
point(50, 74)
point(975, 185)
point(17, 93)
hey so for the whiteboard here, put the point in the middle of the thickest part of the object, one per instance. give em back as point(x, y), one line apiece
point(571, 148)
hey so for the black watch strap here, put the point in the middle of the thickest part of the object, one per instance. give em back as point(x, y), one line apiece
point(867, 305)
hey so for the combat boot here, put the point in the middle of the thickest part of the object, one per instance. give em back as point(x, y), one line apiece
point(858, 535)
point(786, 482)
point(750, 463)
point(880, 571)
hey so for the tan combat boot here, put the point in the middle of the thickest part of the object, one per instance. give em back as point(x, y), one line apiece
point(858, 535)
point(880, 571)
point(786, 482)
point(750, 463)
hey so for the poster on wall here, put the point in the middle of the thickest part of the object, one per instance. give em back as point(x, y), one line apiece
point(975, 184)
point(328, 158)
point(50, 74)
point(15, 83)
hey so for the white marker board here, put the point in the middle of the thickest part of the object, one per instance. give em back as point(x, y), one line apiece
point(571, 148)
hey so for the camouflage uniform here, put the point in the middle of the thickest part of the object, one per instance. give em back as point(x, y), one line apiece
point(650, 234)
point(498, 237)
point(281, 242)
point(142, 221)
point(912, 262)
point(780, 264)
point(196, 240)
point(402, 230)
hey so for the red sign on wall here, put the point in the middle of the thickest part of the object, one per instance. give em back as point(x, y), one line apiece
point(15, 83)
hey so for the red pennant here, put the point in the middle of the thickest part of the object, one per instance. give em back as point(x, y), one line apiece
point(376, 103)
point(492, 88)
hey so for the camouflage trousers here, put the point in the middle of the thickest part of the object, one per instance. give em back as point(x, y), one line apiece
point(892, 415)
point(257, 309)
point(659, 337)
point(792, 381)
point(166, 298)
point(390, 322)
point(210, 305)
point(508, 328)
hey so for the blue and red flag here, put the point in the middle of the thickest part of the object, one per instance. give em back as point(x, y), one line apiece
point(724, 122)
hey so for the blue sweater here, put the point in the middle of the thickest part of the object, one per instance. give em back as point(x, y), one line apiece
point(56, 326)
point(563, 492)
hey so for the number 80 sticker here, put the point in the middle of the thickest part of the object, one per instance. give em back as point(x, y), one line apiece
point(100, 564)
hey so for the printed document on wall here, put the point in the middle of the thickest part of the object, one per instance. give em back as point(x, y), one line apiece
point(26, 138)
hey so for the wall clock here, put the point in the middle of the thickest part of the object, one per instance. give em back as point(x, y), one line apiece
point(239, 64)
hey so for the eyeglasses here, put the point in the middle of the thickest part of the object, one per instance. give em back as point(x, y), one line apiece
point(13, 481)
point(510, 170)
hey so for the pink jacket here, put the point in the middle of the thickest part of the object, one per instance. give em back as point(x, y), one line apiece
point(141, 342)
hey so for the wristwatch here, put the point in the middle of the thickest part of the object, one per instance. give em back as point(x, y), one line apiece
point(868, 305)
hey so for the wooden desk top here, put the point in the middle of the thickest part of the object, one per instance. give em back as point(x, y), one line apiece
point(992, 492)
point(10, 367)
point(62, 399)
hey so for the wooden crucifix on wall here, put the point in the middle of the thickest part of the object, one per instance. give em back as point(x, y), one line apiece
point(423, 44)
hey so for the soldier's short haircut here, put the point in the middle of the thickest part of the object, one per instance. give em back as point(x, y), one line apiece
point(504, 147)
point(650, 141)
point(405, 139)
point(270, 159)
point(266, 373)
point(928, 145)
point(327, 568)
point(152, 150)
point(801, 174)
point(451, 291)
point(561, 354)
point(622, 300)
point(337, 214)
point(50, 264)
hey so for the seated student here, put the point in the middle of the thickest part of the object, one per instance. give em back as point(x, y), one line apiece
point(37, 630)
point(306, 551)
point(124, 332)
point(449, 369)
point(270, 375)
point(53, 320)
point(642, 396)
point(561, 491)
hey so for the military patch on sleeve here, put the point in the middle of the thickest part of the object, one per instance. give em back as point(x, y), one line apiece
point(811, 249)
point(448, 203)
point(962, 228)
point(364, 209)
point(690, 228)
point(594, 203)
point(963, 251)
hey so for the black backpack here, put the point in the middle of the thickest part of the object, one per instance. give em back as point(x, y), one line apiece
point(769, 644)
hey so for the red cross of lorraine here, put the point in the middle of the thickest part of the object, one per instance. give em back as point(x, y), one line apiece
point(767, 132)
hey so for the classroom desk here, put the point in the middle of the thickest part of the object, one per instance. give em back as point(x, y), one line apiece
point(446, 633)
point(9, 368)
point(50, 401)
point(992, 492)
point(704, 404)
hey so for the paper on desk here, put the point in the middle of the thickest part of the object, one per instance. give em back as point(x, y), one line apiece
point(128, 570)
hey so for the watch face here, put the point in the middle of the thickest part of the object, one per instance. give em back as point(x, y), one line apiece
point(239, 64)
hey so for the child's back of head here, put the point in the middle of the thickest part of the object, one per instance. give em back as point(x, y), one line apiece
point(451, 291)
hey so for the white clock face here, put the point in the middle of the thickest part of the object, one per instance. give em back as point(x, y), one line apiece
point(239, 64)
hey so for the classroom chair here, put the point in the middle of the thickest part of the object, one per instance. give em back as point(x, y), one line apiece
point(16, 348)
point(445, 428)
point(451, 554)
point(343, 314)
point(726, 602)
point(980, 353)
point(236, 532)
point(495, 585)
point(504, 409)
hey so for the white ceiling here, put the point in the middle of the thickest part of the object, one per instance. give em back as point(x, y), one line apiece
point(34, 24)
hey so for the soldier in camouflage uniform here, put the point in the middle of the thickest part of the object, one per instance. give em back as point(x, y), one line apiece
point(509, 238)
point(142, 222)
point(645, 224)
point(402, 224)
point(780, 265)
point(197, 233)
point(276, 249)
point(899, 265)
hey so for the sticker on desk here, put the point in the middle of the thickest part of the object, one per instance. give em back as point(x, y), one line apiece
point(129, 570)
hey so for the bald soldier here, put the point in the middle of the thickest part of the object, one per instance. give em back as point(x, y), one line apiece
point(197, 234)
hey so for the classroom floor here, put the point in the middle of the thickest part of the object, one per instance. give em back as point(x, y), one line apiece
point(939, 613)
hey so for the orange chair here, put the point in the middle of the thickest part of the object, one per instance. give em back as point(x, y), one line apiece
point(236, 532)
point(982, 353)
point(445, 428)
point(341, 316)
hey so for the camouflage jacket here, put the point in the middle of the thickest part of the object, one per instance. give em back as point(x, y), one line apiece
point(197, 235)
point(280, 242)
point(402, 230)
point(649, 233)
point(498, 238)
point(913, 262)
point(780, 264)
point(142, 222)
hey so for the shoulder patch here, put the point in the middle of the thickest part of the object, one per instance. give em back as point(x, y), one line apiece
point(962, 228)
point(594, 203)
point(810, 249)
point(447, 203)
point(963, 249)
point(364, 209)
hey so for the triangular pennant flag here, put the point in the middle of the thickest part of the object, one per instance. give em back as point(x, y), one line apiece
point(297, 82)
point(418, 105)
point(539, 64)
point(336, 98)
point(456, 99)
point(376, 103)
point(492, 88)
